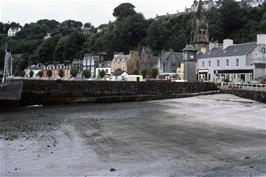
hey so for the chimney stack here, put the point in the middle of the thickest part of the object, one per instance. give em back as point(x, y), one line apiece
point(213, 45)
point(227, 43)
point(261, 39)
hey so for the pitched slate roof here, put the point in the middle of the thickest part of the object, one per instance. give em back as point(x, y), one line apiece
point(14, 28)
point(121, 57)
point(234, 50)
point(165, 55)
point(118, 72)
point(189, 48)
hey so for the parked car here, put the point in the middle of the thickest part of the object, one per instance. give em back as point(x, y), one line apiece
point(238, 81)
point(254, 82)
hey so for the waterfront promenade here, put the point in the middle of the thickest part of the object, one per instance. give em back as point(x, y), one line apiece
point(213, 135)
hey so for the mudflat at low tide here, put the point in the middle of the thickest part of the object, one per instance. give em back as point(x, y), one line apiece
point(213, 135)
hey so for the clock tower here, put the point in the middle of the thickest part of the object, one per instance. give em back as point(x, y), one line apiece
point(190, 62)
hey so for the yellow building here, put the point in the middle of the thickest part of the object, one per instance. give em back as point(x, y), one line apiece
point(133, 63)
point(180, 72)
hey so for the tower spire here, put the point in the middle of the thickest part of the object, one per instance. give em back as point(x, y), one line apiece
point(200, 30)
point(200, 9)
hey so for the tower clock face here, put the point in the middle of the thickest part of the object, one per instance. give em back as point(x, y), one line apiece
point(191, 56)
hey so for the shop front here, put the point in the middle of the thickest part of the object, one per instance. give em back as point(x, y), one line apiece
point(234, 75)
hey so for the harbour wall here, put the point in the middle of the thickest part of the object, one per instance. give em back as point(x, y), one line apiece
point(248, 94)
point(48, 92)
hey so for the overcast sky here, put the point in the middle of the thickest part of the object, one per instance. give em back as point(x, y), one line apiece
point(95, 11)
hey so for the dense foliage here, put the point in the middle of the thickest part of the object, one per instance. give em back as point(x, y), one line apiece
point(73, 72)
point(86, 73)
point(102, 74)
point(129, 31)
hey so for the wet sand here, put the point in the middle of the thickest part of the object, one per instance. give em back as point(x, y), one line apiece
point(214, 135)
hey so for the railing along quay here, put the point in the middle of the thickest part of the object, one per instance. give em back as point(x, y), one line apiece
point(252, 87)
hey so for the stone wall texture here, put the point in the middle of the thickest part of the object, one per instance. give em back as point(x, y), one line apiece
point(248, 94)
point(48, 92)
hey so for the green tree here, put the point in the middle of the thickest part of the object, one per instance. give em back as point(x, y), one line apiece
point(231, 16)
point(73, 72)
point(33, 31)
point(144, 73)
point(102, 73)
point(40, 73)
point(52, 24)
point(135, 72)
point(31, 74)
point(154, 72)
point(61, 73)
point(89, 26)
point(131, 32)
point(49, 73)
point(46, 49)
point(59, 50)
point(86, 73)
point(23, 74)
point(71, 24)
point(124, 10)
point(73, 44)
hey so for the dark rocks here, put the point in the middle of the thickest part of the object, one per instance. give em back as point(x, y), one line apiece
point(11, 137)
point(112, 170)
point(247, 158)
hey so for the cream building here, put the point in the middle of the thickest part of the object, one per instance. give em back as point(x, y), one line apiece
point(119, 62)
point(180, 72)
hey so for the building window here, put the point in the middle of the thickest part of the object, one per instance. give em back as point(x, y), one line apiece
point(203, 64)
point(263, 50)
point(210, 63)
point(227, 62)
point(237, 62)
point(218, 63)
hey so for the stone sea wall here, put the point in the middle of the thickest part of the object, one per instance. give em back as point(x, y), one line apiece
point(53, 92)
point(248, 94)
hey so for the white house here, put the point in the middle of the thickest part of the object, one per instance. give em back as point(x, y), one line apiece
point(86, 30)
point(253, 3)
point(135, 78)
point(231, 62)
point(207, 5)
point(257, 57)
point(13, 31)
point(123, 76)
point(90, 63)
point(119, 75)
point(106, 70)
point(35, 69)
point(48, 35)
